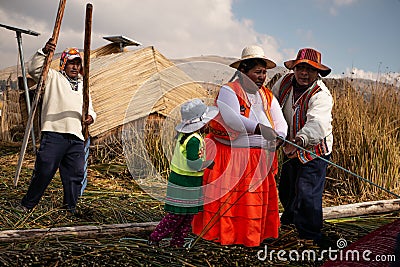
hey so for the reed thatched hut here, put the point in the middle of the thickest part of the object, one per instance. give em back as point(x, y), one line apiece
point(132, 85)
point(142, 78)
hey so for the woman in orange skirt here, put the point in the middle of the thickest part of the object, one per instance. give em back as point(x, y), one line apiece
point(240, 195)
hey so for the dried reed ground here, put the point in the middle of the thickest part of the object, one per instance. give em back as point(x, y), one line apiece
point(112, 197)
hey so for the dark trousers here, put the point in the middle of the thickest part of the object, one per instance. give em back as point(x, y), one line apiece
point(300, 192)
point(57, 151)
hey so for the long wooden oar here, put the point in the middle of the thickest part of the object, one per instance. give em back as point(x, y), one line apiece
point(85, 108)
point(40, 88)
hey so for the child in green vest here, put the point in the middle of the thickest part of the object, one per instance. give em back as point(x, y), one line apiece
point(184, 191)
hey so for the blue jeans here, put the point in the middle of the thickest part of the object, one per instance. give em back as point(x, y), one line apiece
point(300, 192)
point(57, 151)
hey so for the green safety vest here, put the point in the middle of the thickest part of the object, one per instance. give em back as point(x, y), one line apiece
point(179, 163)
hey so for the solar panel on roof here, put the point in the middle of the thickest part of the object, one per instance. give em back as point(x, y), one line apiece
point(120, 39)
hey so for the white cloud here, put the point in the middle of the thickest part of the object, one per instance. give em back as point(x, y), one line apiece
point(333, 11)
point(344, 2)
point(177, 28)
point(333, 6)
point(390, 77)
point(305, 35)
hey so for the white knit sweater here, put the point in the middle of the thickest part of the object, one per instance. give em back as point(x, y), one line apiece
point(62, 106)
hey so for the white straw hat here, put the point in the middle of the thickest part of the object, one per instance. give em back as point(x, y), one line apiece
point(253, 51)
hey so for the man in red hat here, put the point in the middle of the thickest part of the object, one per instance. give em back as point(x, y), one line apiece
point(62, 142)
point(307, 106)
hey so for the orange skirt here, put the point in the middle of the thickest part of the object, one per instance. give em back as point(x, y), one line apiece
point(240, 197)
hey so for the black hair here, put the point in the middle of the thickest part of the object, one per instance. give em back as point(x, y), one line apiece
point(250, 63)
point(247, 65)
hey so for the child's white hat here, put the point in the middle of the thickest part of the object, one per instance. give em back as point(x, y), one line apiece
point(195, 114)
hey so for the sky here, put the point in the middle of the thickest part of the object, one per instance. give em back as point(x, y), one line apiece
point(358, 38)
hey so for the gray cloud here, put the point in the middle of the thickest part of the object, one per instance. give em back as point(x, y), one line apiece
point(177, 28)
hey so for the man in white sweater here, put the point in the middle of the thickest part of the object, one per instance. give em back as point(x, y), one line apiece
point(62, 142)
point(307, 106)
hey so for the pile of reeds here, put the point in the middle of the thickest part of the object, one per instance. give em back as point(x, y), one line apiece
point(366, 129)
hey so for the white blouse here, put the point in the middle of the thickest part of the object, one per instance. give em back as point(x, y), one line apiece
point(229, 107)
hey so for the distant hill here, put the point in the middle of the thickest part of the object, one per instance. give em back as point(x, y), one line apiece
point(226, 61)
point(5, 73)
point(356, 83)
point(211, 58)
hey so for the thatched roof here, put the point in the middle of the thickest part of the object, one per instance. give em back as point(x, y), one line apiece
point(131, 85)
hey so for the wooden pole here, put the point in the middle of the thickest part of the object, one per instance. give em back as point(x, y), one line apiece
point(363, 208)
point(40, 88)
point(85, 106)
point(84, 230)
point(86, 67)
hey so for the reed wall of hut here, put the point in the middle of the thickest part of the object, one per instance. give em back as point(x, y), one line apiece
point(143, 145)
point(15, 116)
point(11, 119)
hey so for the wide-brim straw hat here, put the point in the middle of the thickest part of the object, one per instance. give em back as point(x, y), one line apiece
point(311, 57)
point(253, 51)
point(195, 114)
